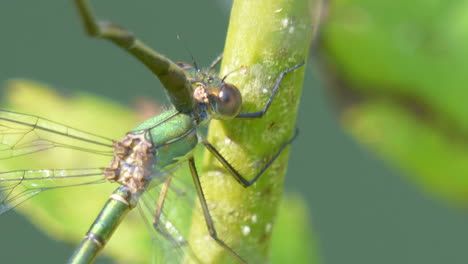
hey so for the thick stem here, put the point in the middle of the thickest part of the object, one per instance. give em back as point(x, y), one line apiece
point(264, 38)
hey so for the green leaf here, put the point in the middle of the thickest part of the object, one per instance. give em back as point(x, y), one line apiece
point(292, 240)
point(400, 77)
point(66, 214)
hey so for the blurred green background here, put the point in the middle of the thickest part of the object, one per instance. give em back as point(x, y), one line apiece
point(363, 210)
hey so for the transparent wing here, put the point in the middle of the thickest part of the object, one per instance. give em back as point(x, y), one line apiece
point(21, 185)
point(22, 134)
point(167, 208)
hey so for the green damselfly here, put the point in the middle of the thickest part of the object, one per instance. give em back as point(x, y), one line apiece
point(145, 156)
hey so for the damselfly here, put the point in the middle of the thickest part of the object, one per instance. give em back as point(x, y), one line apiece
point(145, 156)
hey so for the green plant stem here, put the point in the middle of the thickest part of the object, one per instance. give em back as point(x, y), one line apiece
point(264, 38)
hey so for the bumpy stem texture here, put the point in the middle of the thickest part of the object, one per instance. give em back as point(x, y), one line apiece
point(264, 38)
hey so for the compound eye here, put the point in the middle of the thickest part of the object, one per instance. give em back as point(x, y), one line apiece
point(227, 102)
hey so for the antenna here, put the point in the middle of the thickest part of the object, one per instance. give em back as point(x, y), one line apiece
point(188, 51)
point(231, 72)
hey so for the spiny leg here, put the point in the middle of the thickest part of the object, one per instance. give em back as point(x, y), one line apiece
point(206, 212)
point(237, 176)
point(158, 225)
point(159, 209)
point(259, 114)
point(171, 76)
point(160, 203)
point(215, 62)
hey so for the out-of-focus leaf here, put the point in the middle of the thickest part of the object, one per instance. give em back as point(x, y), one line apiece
point(293, 241)
point(66, 214)
point(400, 77)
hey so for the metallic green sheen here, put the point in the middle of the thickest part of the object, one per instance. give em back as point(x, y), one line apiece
point(110, 216)
point(105, 224)
point(173, 135)
point(85, 253)
point(206, 78)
